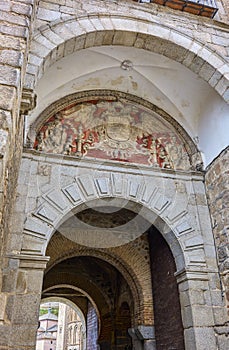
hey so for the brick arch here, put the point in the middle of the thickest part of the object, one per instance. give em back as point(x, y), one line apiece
point(122, 266)
point(68, 303)
point(61, 38)
point(97, 298)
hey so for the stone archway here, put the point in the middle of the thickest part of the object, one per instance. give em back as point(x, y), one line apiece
point(91, 277)
point(122, 316)
point(159, 196)
point(59, 187)
point(70, 316)
point(53, 42)
point(176, 203)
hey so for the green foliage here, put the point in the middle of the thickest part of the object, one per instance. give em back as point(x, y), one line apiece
point(54, 310)
point(43, 311)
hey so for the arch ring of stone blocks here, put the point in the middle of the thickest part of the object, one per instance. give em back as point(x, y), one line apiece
point(143, 197)
point(57, 40)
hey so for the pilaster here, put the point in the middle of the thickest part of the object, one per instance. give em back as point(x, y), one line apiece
point(143, 337)
point(200, 307)
point(20, 301)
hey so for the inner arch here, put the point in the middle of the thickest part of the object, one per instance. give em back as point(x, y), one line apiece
point(101, 282)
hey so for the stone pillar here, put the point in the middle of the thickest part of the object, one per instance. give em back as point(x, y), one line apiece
point(61, 340)
point(201, 308)
point(15, 32)
point(143, 337)
point(20, 301)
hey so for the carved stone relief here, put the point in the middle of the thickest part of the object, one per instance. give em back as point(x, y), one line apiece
point(115, 130)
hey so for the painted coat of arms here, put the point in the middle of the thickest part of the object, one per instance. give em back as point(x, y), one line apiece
point(113, 130)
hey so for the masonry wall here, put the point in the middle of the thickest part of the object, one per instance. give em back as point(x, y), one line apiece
point(92, 328)
point(224, 9)
point(52, 42)
point(168, 324)
point(217, 184)
point(15, 28)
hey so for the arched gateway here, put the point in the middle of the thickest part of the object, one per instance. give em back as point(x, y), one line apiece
point(111, 190)
point(122, 104)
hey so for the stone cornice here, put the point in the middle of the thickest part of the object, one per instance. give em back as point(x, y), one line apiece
point(30, 261)
point(193, 273)
point(28, 101)
point(110, 165)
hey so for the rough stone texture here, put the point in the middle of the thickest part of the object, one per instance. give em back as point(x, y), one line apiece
point(50, 188)
point(217, 184)
point(15, 21)
point(92, 324)
point(224, 9)
point(168, 323)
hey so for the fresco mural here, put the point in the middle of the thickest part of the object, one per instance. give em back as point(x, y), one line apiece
point(119, 131)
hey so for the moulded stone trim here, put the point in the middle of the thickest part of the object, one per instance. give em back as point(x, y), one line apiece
point(134, 188)
point(161, 203)
point(95, 21)
point(47, 213)
point(118, 185)
point(46, 42)
point(87, 186)
point(103, 186)
point(196, 256)
point(149, 191)
point(32, 244)
point(73, 194)
point(176, 214)
point(56, 199)
point(132, 28)
point(52, 36)
point(180, 39)
point(183, 227)
point(57, 204)
point(36, 227)
point(142, 194)
point(145, 332)
point(192, 273)
point(194, 242)
point(31, 262)
point(136, 25)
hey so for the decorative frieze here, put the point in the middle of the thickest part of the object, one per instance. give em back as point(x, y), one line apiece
point(116, 130)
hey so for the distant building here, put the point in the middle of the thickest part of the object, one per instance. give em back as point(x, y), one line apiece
point(76, 336)
point(62, 332)
point(47, 331)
